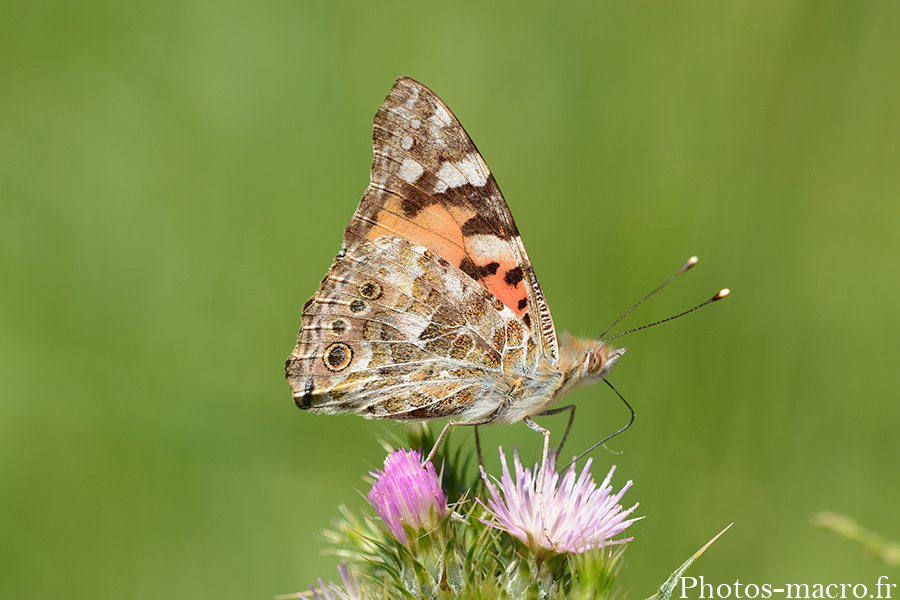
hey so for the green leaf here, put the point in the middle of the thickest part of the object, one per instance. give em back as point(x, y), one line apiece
point(873, 543)
point(668, 586)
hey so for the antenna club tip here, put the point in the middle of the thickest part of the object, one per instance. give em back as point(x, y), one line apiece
point(723, 293)
point(690, 263)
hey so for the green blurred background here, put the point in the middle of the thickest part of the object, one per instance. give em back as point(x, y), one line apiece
point(174, 181)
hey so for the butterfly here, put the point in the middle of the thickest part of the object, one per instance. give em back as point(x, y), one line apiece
point(432, 309)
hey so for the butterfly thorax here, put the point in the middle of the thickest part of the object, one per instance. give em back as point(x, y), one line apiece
point(580, 363)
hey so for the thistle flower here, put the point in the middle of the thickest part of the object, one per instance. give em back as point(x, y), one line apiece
point(577, 515)
point(352, 590)
point(407, 494)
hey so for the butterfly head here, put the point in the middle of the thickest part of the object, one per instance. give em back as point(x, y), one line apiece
point(588, 361)
point(599, 361)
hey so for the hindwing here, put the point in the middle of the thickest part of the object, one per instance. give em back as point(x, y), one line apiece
point(397, 332)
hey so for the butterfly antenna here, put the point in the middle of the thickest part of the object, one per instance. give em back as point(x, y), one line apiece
point(690, 263)
point(610, 436)
point(723, 293)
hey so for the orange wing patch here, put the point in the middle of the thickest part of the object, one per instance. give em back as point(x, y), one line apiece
point(441, 228)
point(431, 186)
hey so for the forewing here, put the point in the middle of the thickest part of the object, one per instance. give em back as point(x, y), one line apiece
point(430, 185)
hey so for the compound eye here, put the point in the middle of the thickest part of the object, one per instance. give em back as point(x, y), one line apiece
point(595, 362)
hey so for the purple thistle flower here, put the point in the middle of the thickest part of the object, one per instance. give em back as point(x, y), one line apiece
point(576, 517)
point(351, 591)
point(407, 493)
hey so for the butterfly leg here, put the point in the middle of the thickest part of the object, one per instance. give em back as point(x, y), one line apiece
point(556, 411)
point(480, 481)
point(447, 427)
point(478, 448)
point(544, 464)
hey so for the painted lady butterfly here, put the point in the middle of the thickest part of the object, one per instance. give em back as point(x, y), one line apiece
point(431, 308)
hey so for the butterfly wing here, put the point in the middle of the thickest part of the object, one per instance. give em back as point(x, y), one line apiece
point(395, 332)
point(430, 185)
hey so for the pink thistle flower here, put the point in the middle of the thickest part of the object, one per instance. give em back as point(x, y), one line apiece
point(407, 493)
point(351, 590)
point(577, 515)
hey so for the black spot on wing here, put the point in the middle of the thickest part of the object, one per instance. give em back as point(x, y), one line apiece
point(513, 277)
point(305, 401)
point(413, 200)
point(476, 271)
point(416, 197)
point(477, 225)
point(463, 195)
point(523, 303)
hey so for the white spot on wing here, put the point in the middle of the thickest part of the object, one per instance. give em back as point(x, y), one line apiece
point(440, 117)
point(487, 245)
point(410, 170)
point(470, 169)
point(406, 142)
point(474, 169)
point(413, 97)
point(454, 288)
point(450, 175)
point(415, 123)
